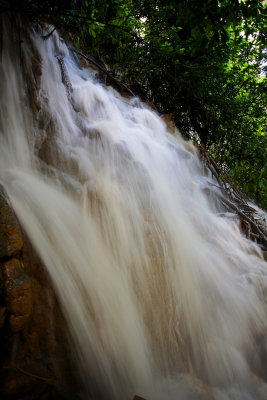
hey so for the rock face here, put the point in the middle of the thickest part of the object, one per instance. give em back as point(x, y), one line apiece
point(34, 340)
point(168, 119)
point(11, 240)
point(18, 294)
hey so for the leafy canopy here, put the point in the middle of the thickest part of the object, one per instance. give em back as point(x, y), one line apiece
point(205, 62)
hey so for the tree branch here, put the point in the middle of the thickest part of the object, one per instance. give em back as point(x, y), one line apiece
point(41, 378)
point(244, 217)
point(49, 34)
point(104, 71)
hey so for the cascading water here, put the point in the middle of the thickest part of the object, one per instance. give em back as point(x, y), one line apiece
point(160, 290)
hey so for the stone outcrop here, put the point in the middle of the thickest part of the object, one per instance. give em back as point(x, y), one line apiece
point(11, 240)
point(168, 119)
point(34, 340)
point(18, 294)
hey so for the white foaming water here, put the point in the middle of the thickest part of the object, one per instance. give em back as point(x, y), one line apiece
point(161, 293)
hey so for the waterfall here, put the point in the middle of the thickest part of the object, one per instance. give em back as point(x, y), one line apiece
point(162, 293)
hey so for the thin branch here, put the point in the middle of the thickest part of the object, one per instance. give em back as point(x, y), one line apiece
point(104, 71)
point(234, 196)
point(50, 381)
point(195, 66)
point(49, 34)
point(101, 22)
point(244, 217)
point(41, 378)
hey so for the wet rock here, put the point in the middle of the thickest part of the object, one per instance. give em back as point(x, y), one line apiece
point(2, 316)
point(167, 118)
point(1, 285)
point(10, 233)
point(43, 346)
point(138, 398)
point(18, 294)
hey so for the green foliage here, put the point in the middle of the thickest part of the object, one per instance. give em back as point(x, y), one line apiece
point(203, 61)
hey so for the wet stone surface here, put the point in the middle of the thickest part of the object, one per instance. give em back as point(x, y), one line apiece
point(36, 360)
point(18, 294)
point(11, 240)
